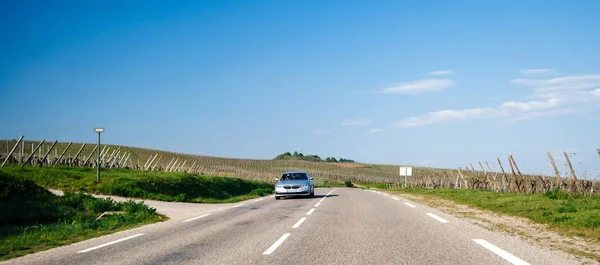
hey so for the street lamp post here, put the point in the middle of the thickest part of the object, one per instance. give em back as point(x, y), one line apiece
point(99, 131)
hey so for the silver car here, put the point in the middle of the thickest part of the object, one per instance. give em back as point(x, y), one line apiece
point(294, 183)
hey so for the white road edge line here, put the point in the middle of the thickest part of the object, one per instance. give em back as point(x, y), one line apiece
point(109, 243)
point(311, 211)
point(299, 222)
point(276, 244)
point(395, 198)
point(437, 218)
point(235, 206)
point(500, 252)
point(410, 205)
point(386, 194)
point(198, 217)
point(260, 199)
point(317, 205)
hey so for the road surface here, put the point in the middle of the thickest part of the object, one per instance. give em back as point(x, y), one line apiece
point(337, 226)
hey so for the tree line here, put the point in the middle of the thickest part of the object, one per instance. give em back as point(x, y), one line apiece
point(315, 158)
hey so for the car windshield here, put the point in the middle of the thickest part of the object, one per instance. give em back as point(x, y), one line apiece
point(294, 176)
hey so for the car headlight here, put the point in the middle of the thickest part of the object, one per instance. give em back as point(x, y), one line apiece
point(278, 186)
point(304, 186)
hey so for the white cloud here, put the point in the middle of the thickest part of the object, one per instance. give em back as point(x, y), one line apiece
point(359, 122)
point(446, 116)
point(572, 79)
point(441, 72)
point(561, 96)
point(376, 130)
point(419, 86)
point(531, 105)
point(536, 71)
point(543, 114)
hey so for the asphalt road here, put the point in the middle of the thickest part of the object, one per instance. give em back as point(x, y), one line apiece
point(337, 226)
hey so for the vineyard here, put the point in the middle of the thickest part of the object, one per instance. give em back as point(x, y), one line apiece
point(508, 178)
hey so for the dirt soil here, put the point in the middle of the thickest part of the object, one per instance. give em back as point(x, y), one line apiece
point(586, 250)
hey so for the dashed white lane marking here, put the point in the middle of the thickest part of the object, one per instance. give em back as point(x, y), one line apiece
point(311, 211)
point(276, 244)
point(109, 243)
point(410, 204)
point(235, 206)
point(299, 222)
point(500, 252)
point(198, 217)
point(317, 205)
point(395, 198)
point(437, 218)
point(321, 200)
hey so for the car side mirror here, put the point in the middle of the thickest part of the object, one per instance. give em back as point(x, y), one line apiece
point(311, 178)
point(276, 178)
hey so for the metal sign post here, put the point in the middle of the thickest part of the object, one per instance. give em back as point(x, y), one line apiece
point(99, 131)
point(405, 171)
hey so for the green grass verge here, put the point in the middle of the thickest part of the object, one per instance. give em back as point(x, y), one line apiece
point(33, 219)
point(569, 214)
point(163, 186)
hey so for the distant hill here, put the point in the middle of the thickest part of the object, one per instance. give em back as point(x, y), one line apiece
point(313, 158)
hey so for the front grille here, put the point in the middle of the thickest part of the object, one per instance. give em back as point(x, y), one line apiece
point(287, 187)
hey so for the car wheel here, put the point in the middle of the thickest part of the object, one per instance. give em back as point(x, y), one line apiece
point(277, 197)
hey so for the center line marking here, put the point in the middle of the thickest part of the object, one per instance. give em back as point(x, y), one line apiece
point(237, 205)
point(500, 252)
point(276, 244)
point(321, 200)
point(109, 243)
point(299, 222)
point(198, 217)
point(395, 198)
point(317, 205)
point(437, 218)
point(410, 205)
point(311, 211)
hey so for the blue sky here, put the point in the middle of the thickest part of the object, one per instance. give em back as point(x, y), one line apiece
point(434, 83)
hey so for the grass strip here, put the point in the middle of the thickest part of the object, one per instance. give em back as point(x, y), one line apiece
point(33, 219)
point(568, 214)
point(163, 186)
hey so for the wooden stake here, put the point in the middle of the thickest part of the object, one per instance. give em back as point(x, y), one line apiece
point(62, 154)
point(48, 152)
point(510, 162)
point(9, 154)
point(504, 178)
point(79, 152)
point(485, 178)
point(462, 177)
point(168, 165)
point(572, 172)
point(90, 156)
point(494, 176)
point(558, 180)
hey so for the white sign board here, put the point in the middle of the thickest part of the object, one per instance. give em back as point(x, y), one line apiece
point(405, 171)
